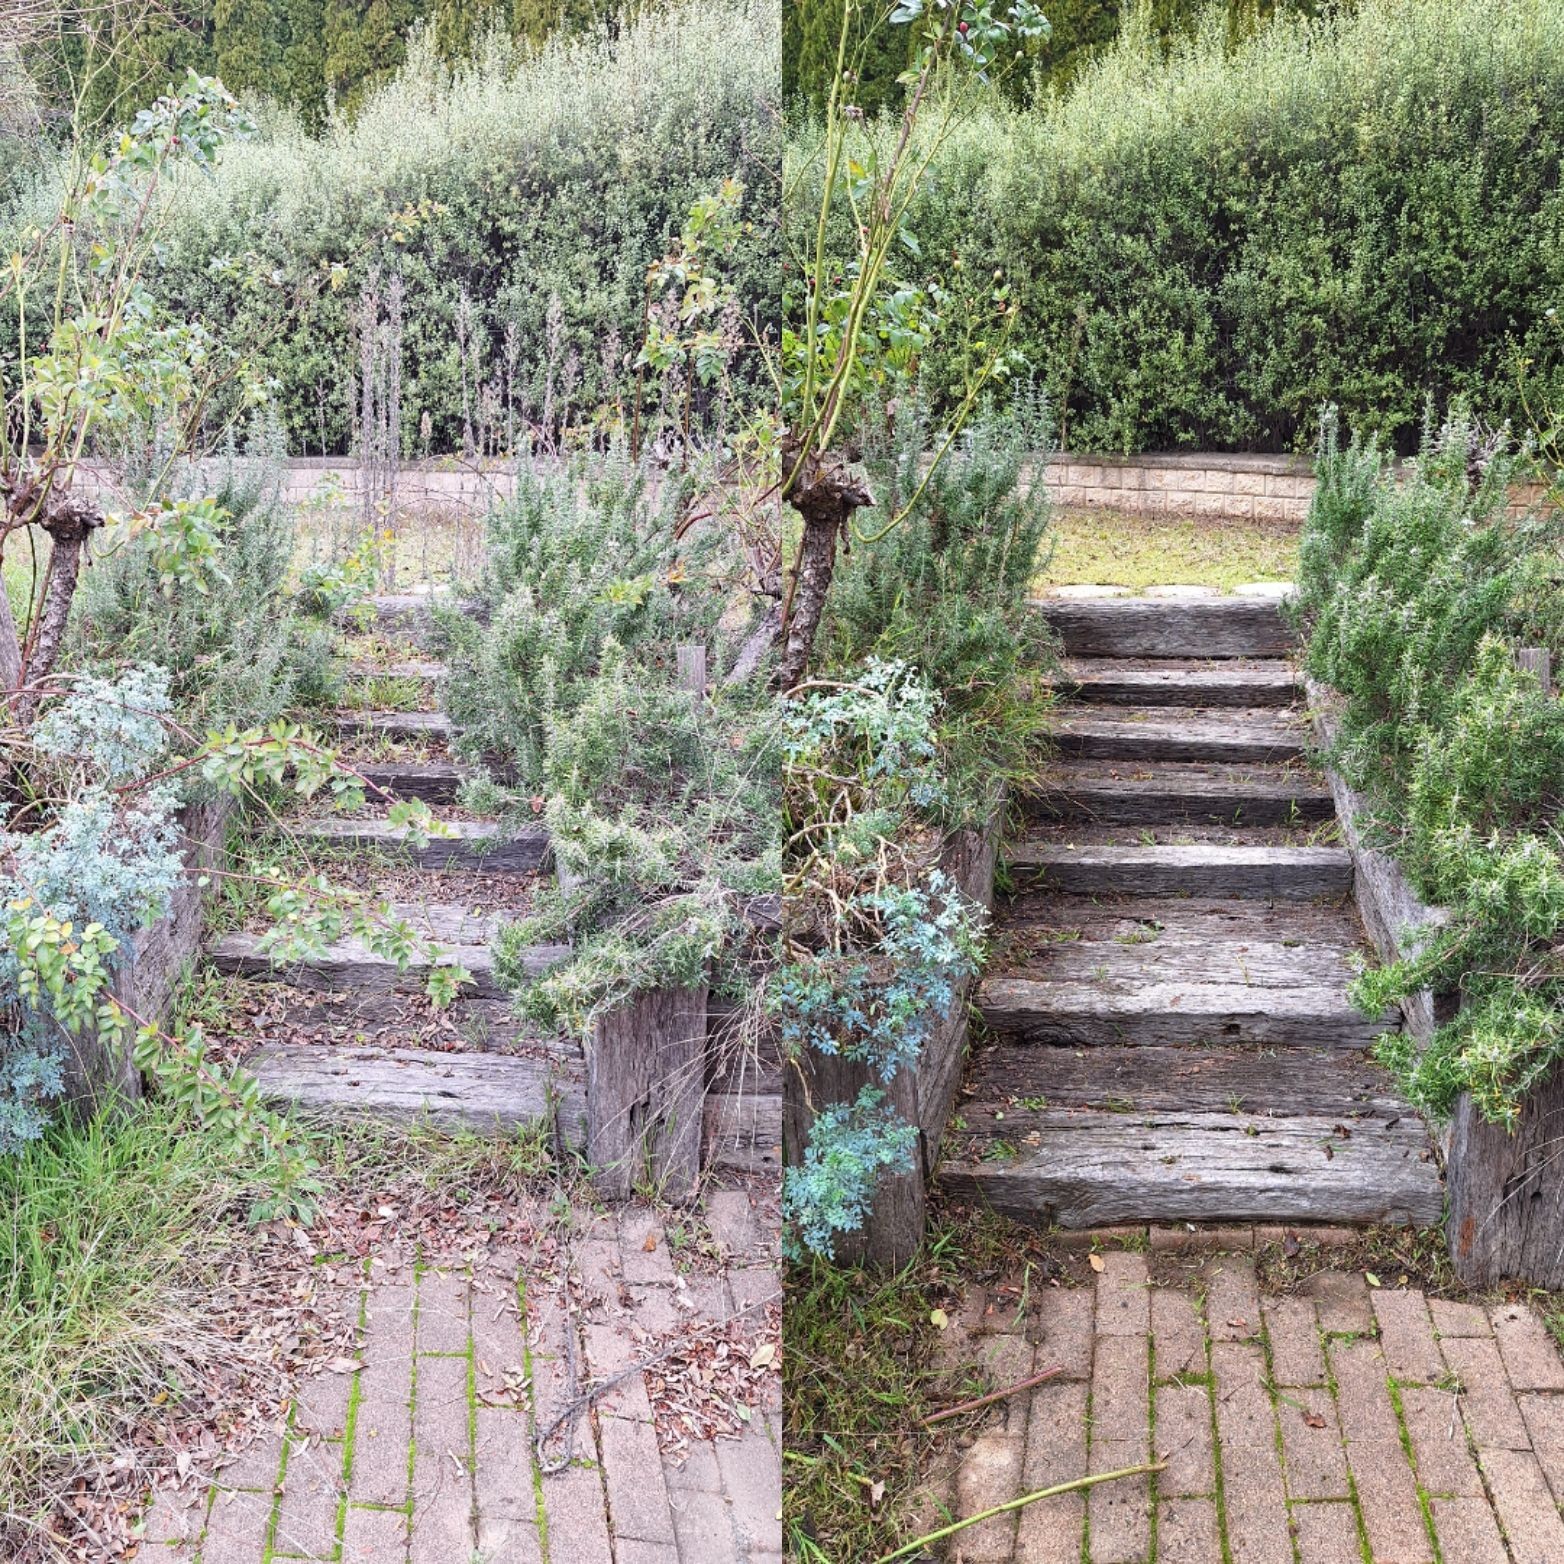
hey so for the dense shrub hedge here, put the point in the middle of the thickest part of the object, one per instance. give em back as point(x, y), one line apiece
point(510, 182)
point(1363, 209)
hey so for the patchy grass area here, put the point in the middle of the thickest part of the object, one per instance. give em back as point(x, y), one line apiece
point(1111, 548)
point(861, 1367)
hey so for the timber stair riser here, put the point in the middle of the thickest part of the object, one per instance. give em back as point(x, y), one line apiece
point(1288, 873)
point(472, 844)
point(1168, 1034)
point(1106, 681)
point(1244, 735)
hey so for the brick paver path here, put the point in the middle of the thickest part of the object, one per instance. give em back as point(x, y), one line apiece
point(420, 1451)
point(1336, 1425)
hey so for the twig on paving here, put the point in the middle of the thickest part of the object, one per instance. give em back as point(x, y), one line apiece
point(992, 1396)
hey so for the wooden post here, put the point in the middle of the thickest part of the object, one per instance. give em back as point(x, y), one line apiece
point(1507, 1195)
point(1540, 661)
point(646, 1094)
point(692, 669)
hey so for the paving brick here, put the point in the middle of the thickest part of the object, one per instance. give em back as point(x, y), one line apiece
point(443, 1506)
point(1544, 1417)
point(1326, 1533)
point(1183, 1440)
point(703, 1523)
point(752, 1285)
point(1486, 1402)
point(505, 1540)
point(1187, 1532)
point(1120, 1405)
point(256, 1466)
point(1342, 1300)
point(1123, 1295)
point(1525, 1505)
point(444, 1304)
point(321, 1405)
point(1531, 1359)
point(1467, 1532)
point(383, 1425)
point(1251, 1470)
point(751, 1470)
point(1444, 1464)
point(1049, 1531)
point(374, 1537)
point(609, 1350)
point(1458, 1319)
point(176, 1517)
point(1232, 1298)
point(1316, 1464)
point(312, 1489)
point(632, 1473)
point(1119, 1513)
point(731, 1217)
point(1178, 1338)
point(1387, 1492)
point(236, 1529)
point(1406, 1336)
point(1064, 1331)
point(597, 1263)
point(550, 1353)
point(697, 1471)
point(577, 1516)
point(1002, 1361)
point(1293, 1329)
point(502, 1456)
point(990, 1474)
point(643, 1248)
point(497, 1345)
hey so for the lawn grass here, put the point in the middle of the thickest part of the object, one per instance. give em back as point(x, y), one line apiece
point(1113, 548)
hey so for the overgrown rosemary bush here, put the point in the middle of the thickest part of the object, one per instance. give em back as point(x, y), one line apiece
point(661, 803)
point(944, 590)
point(234, 652)
point(1416, 594)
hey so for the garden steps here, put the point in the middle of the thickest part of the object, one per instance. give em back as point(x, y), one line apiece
point(483, 1092)
point(1151, 733)
point(1127, 792)
point(1204, 868)
point(433, 781)
point(1167, 1031)
point(1199, 628)
point(1245, 682)
point(473, 844)
point(409, 725)
point(408, 668)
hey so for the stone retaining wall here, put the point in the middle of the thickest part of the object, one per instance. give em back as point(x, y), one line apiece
point(1260, 488)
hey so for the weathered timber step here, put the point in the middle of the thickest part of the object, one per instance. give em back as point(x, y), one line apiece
point(1090, 1168)
point(407, 615)
point(487, 1093)
point(1242, 734)
point(410, 668)
point(1170, 955)
point(473, 844)
point(1197, 918)
point(394, 724)
point(1166, 1010)
point(434, 781)
point(1169, 627)
point(1120, 681)
point(395, 1018)
point(348, 966)
point(1011, 1081)
point(1125, 794)
point(1208, 869)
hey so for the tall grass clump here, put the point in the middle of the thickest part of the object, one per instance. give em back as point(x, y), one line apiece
point(108, 1251)
point(516, 200)
point(1208, 241)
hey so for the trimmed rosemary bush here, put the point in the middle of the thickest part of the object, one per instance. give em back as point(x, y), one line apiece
point(1416, 594)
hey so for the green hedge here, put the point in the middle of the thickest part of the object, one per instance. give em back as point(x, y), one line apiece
point(1364, 210)
point(526, 176)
